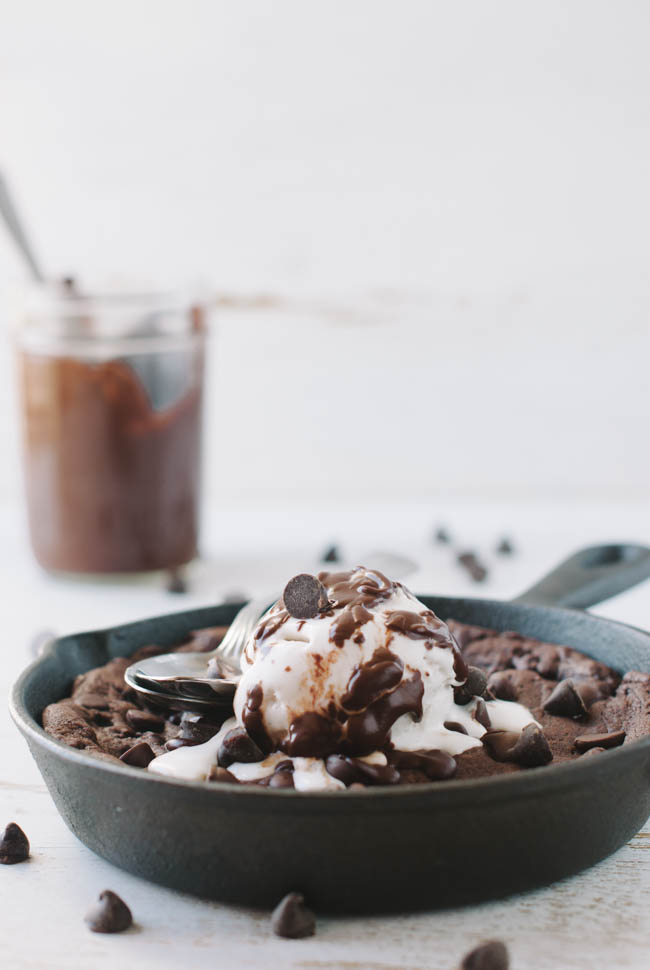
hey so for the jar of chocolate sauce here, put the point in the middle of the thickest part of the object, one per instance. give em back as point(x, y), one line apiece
point(111, 399)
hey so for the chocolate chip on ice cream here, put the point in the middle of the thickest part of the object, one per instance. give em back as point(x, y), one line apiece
point(238, 746)
point(109, 915)
point(474, 686)
point(14, 845)
point(292, 919)
point(304, 596)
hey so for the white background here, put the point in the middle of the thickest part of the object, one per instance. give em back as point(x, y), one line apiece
point(425, 225)
point(448, 204)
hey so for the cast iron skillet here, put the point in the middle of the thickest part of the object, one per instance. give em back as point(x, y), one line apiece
point(384, 848)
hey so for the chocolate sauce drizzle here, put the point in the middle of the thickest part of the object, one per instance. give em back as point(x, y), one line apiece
point(253, 718)
point(354, 592)
point(369, 681)
point(369, 730)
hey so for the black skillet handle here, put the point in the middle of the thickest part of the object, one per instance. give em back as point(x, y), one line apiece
point(590, 576)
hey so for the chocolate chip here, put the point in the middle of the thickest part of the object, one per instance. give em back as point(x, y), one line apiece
point(197, 728)
point(14, 845)
point(592, 751)
point(144, 720)
point(110, 915)
point(532, 748)
point(282, 777)
point(176, 582)
point(565, 701)
point(500, 744)
point(442, 536)
point(353, 770)
point(488, 956)
point(505, 547)
point(292, 919)
point(221, 774)
point(455, 726)
point(238, 746)
point(179, 742)
point(481, 714)
point(139, 756)
point(304, 596)
point(331, 555)
point(436, 765)
point(474, 686)
point(475, 568)
point(611, 739)
point(501, 686)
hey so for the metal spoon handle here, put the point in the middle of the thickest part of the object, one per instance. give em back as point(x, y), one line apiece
point(17, 231)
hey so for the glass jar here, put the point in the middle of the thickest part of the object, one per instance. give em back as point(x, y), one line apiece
point(112, 390)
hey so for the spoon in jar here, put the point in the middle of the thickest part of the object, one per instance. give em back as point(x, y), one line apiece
point(17, 230)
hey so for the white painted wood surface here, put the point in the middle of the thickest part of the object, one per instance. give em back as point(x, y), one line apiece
point(597, 919)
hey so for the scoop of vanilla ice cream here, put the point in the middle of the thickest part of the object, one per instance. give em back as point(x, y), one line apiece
point(372, 673)
point(375, 666)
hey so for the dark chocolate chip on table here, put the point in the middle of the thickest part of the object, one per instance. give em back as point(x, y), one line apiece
point(14, 845)
point(304, 596)
point(505, 547)
point(291, 918)
point(238, 746)
point(492, 955)
point(139, 756)
point(331, 554)
point(565, 700)
point(176, 582)
point(474, 686)
point(144, 720)
point(442, 536)
point(611, 739)
point(475, 568)
point(532, 749)
point(109, 915)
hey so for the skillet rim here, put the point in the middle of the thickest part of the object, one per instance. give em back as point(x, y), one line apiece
point(521, 784)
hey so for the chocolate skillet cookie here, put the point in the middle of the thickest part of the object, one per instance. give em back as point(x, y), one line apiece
point(582, 706)
point(109, 720)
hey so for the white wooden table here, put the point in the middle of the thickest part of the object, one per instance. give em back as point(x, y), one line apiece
point(597, 919)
